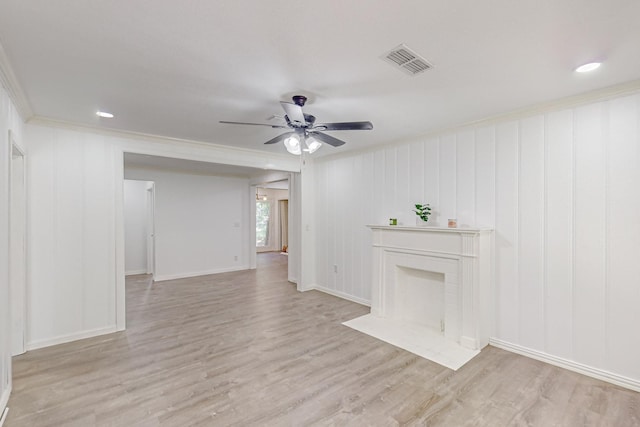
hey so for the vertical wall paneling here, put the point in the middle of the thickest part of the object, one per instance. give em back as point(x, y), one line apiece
point(506, 232)
point(349, 200)
point(381, 209)
point(356, 224)
point(370, 218)
point(416, 175)
point(485, 197)
point(446, 180)
point(432, 177)
point(623, 235)
point(42, 222)
point(69, 159)
point(340, 207)
point(322, 224)
point(465, 179)
point(589, 238)
point(558, 219)
point(531, 232)
point(403, 202)
point(390, 179)
point(485, 177)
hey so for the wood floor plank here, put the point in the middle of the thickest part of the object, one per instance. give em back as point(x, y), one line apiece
point(245, 348)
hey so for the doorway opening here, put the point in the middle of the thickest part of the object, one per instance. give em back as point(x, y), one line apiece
point(139, 227)
point(272, 219)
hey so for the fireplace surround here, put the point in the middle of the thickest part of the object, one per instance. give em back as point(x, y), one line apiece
point(431, 291)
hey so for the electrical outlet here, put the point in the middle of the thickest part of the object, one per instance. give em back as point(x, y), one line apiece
point(335, 268)
point(235, 258)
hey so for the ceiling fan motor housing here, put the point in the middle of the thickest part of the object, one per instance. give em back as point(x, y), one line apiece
point(299, 100)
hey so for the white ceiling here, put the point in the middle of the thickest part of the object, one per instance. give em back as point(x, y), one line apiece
point(176, 68)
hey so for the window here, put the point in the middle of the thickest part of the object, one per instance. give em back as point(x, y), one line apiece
point(263, 213)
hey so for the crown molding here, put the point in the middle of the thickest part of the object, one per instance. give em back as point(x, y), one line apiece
point(598, 95)
point(9, 81)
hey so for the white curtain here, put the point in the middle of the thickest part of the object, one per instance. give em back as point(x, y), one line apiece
point(283, 209)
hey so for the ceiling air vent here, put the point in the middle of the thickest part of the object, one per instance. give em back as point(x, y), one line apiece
point(407, 60)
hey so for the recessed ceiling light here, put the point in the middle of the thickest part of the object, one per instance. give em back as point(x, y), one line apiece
point(588, 67)
point(104, 114)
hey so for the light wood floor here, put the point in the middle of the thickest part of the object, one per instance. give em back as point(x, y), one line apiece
point(245, 348)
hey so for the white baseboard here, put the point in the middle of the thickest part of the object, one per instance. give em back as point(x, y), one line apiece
point(61, 339)
point(134, 272)
point(199, 273)
point(338, 294)
point(589, 371)
point(4, 399)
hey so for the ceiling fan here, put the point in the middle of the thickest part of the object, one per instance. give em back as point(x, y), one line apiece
point(304, 128)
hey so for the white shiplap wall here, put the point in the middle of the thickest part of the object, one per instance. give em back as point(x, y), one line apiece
point(72, 257)
point(561, 190)
point(9, 120)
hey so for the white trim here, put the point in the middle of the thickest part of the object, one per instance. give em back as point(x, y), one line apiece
point(135, 272)
point(589, 371)
point(61, 339)
point(24, 290)
point(338, 294)
point(9, 81)
point(119, 248)
point(199, 273)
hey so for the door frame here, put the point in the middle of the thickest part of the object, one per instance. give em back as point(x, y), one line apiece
point(17, 293)
point(151, 229)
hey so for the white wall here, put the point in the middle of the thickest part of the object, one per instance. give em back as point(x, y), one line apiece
point(561, 190)
point(9, 120)
point(201, 223)
point(135, 226)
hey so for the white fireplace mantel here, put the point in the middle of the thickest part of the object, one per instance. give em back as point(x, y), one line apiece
point(423, 270)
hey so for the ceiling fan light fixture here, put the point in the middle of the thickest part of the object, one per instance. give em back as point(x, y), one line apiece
point(312, 145)
point(292, 144)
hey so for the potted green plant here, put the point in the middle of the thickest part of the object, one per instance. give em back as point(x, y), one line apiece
point(423, 211)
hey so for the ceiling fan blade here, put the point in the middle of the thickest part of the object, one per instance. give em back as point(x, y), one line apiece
point(294, 112)
point(280, 138)
point(255, 124)
point(327, 139)
point(345, 126)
